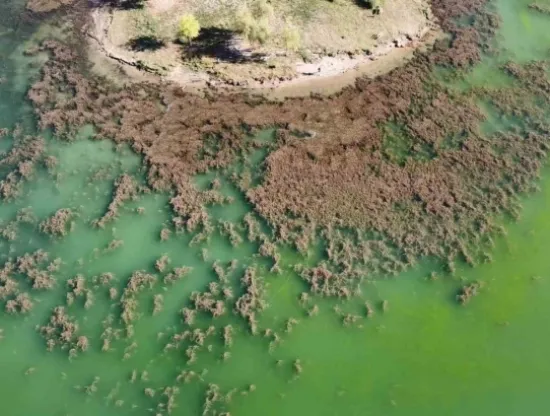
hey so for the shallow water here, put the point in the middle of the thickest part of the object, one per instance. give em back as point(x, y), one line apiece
point(424, 355)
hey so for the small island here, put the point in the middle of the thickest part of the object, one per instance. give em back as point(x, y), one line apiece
point(257, 44)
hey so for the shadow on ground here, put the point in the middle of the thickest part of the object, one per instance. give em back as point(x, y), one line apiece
point(219, 43)
point(118, 4)
point(145, 43)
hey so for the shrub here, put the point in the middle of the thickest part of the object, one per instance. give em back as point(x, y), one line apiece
point(253, 22)
point(189, 28)
point(373, 4)
point(261, 9)
point(146, 25)
point(291, 38)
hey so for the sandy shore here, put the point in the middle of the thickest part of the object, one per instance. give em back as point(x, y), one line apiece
point(337, 73)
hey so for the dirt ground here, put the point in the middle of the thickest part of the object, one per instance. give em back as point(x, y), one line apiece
point(337, 38)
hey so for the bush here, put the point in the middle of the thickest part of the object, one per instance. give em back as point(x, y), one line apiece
point(189, 28)
point(291, 38)
point(261, 9)
point(146, 25)
point(253, 22)
point(373, 4)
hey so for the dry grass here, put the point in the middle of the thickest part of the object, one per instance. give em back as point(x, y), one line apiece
point(324, 26)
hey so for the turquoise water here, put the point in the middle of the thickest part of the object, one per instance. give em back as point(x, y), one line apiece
point(420, 354)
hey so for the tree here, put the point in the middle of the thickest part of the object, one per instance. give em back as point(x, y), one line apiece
point(189, 28)
point(253, 21)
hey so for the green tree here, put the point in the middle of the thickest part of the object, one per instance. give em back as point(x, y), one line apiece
point(189, 28)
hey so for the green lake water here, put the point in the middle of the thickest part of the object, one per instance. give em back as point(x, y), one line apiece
point(424, 355)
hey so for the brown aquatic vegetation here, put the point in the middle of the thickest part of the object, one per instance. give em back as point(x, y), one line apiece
point(228, 335)
point(92, 388)
point(104, 279)
point(21, 159)
point(22, 303)
point(158, 304)
point(58, 223)
point(224, 273)
point(214, 398)
point(314, 311)
point(169, 394)
point(268, 249)
point(77, 289)
point(77, 285)
point(230, 230)
point(186, 376)
point(36, 268)
point(541, 8)
point(50, 162)
point(165, 234)
point(190, 205)
point(10, 186)
point(8, 285)
point(290, 324)
point(438, 200)
point(9, 231)
point(369, 311)
point(162, 263)
point(177, 274)
point(138, 282)
point(327, 283)
point(252, 301)
point(350, 319)
point(253, 228)
point(207, 302)
point(188, 316)
point(26, 216)
point(82, 343)
point(126, 189)
point(468, 291)
point(297, 366)
point(113, 245)
point(61, 331)
point(129, 350)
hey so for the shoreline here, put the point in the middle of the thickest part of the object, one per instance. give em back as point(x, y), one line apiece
point(370, 67)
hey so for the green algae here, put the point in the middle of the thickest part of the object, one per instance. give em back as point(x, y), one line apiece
point(424, 355)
